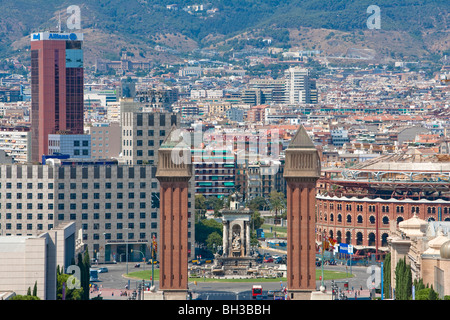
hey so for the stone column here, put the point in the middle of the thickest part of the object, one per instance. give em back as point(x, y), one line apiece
point(302, 170)
point(174, 183)
point(247, 236)
point(225, 238)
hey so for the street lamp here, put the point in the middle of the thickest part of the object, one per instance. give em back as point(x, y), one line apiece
point(143, 256)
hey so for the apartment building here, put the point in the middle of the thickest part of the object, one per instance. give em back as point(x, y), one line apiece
point(214, 172)
point(104, 140)
point(143, 133)
point(16, 142)
point(299, 87)
point(113, 206)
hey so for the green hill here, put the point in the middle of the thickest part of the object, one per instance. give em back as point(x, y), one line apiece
point(418, 26)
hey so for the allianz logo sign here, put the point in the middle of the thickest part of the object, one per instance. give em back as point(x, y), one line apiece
point(57, 36)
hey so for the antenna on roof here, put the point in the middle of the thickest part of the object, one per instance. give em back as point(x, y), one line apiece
point(59, 22)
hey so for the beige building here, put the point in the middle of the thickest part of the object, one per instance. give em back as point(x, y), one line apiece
point(143, 133)
point(105, 139)
point(426, 247)
point(26, 260)
point(112, 204)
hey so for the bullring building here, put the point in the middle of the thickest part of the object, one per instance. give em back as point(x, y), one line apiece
point(357, 205)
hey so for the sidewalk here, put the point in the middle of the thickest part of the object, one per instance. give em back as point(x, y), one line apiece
point(110, 294)
point(364, 293)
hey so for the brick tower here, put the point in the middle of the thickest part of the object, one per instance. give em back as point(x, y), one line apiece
point(302, 170)
point(174, 179)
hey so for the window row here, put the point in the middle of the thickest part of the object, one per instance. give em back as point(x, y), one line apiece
point(359, 218)
point(386, 208)
point(120, 226)
point(84, 185)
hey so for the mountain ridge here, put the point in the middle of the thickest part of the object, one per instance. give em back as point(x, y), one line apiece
point(418, 27)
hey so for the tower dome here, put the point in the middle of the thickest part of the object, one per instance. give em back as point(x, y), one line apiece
point(414, 227)
point(445, 250)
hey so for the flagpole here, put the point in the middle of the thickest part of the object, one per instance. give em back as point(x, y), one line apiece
point(323, 249)
point(153, 260)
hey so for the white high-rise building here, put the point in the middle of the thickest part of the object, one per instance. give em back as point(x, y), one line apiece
point(299, 88)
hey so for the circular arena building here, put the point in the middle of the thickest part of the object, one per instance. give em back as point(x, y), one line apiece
point(357, 205)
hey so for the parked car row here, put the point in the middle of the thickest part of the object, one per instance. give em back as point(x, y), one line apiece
point(268, 258)
point(199, 262)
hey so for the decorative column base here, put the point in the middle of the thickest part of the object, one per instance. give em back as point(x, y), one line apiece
point(175, 294)
point(299, 294)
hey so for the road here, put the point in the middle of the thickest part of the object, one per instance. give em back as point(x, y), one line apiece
point(114, 281)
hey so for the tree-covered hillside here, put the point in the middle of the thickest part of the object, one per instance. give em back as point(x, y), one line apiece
point(140, 20)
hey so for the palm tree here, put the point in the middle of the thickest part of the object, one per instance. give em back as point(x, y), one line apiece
point(277, 202)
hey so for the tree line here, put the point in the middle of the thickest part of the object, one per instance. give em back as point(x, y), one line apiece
point(404, 283)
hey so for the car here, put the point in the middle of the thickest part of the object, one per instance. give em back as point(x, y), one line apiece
point(268, 259)
point(278, 260)
point(271, 293)
point(102, 270)
point(154, 261)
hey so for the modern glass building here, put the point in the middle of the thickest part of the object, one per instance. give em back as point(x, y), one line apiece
point(56, 88)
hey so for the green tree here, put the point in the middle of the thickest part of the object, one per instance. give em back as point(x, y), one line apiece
point(200, 206)
point(204, 228)
point(403, 280)
point(426, 294)
point(256, 220)
point(213, 240)
point(70, 294)
point(25, 297)
point(35, 289)
point(215, 204)
point(257, 204)
point(277, 202)
point(85, 273)
point(387, 276)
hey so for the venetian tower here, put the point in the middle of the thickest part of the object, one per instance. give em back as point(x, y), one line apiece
point(174, 171)
point(302, 170)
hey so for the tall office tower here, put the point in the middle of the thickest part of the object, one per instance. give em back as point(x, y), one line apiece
point(174, 213)
point(299, 88)
point(56, 88)
point(302, 170)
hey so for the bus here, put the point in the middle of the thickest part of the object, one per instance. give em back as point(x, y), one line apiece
point(256, 291)
point(93, 274)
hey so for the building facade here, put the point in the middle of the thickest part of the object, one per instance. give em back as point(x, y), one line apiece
point(357, 205)
point(77, 146)
point(299, 88)
point(56, 88)
point(214, 172)
point(104, 137)
point(143, 133)
point(110, 203)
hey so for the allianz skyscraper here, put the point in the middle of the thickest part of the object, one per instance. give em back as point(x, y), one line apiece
point(56, 88)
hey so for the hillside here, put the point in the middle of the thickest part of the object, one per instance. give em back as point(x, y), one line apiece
point(411, 28)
